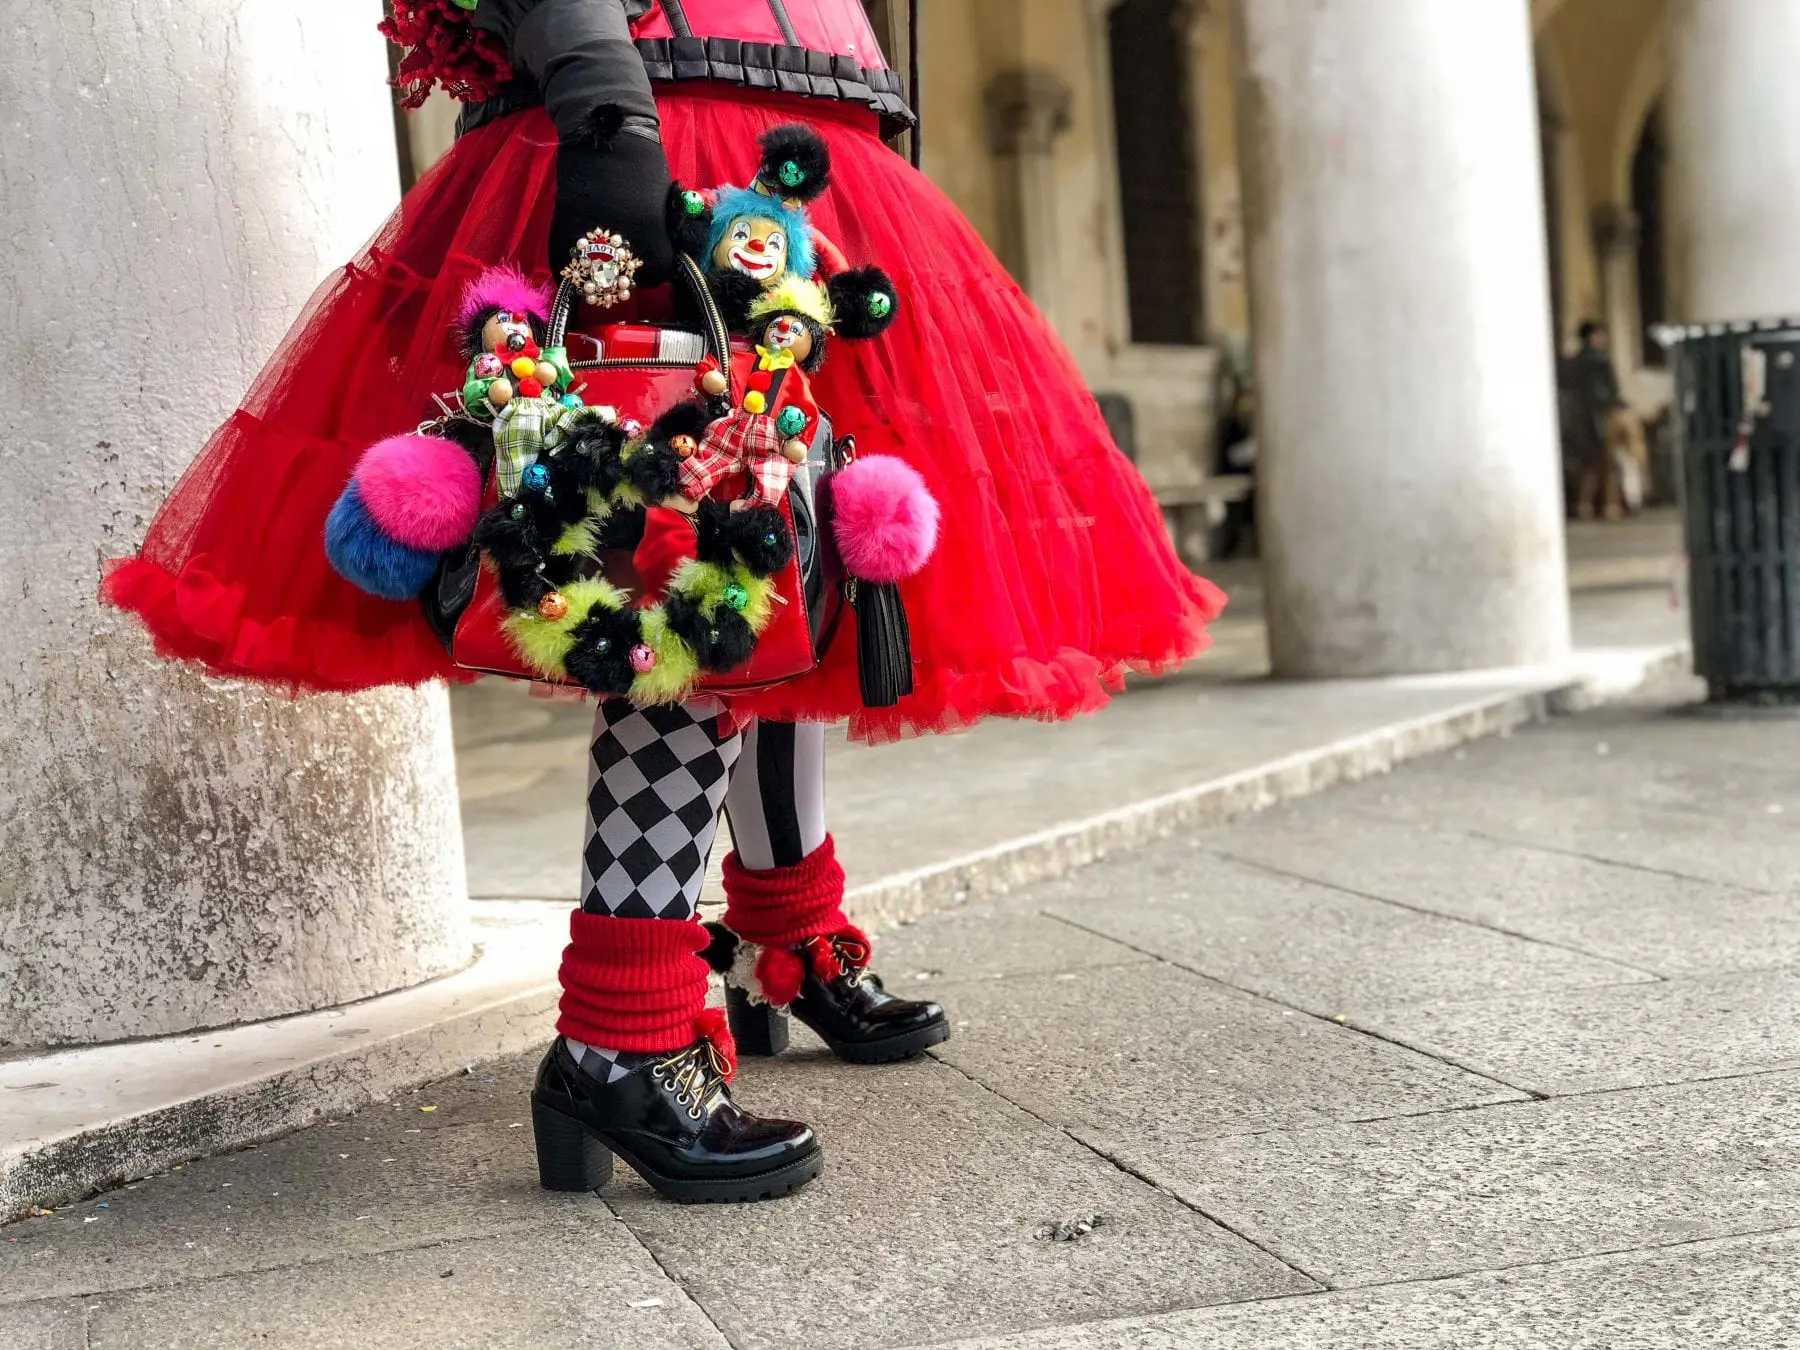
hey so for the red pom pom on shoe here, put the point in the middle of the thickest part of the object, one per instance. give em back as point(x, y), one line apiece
point(779, 971)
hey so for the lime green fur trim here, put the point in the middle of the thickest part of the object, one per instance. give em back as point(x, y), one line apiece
point(672, 678)
point(795, 295)
point(544, 643)
point(580, 540)
point(705, 583)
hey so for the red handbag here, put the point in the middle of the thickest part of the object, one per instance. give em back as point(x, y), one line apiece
point(640, 370)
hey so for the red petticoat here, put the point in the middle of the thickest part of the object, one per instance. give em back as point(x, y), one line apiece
point(1055, 574)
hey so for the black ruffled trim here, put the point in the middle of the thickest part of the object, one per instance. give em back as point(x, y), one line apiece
point(788, 70)
point(752, 65)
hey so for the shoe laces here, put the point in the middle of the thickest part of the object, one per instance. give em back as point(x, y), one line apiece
point(840, 956)
point(693, 1074)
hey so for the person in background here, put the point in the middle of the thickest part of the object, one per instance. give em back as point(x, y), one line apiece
point(1592, 406)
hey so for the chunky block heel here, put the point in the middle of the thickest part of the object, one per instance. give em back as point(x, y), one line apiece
point(569, 1158)
point(758, 1028)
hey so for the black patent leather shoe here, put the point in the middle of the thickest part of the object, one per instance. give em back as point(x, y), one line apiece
point(673, 1120)
point(851, 1012)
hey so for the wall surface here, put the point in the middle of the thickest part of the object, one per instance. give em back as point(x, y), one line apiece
point(176, 852)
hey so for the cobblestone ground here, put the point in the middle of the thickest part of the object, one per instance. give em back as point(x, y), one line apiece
point(1497, 1050)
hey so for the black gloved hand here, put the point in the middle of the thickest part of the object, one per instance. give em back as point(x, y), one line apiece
point(611, 172)
point(615, 177)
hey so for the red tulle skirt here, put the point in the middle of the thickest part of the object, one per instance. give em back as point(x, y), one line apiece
point(1055, 574)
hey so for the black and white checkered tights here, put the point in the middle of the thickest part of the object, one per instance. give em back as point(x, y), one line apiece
point(657, 778)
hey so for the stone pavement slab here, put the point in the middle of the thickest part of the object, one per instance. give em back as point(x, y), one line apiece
point(1306, 945)
point(580, 1281)
point(45, 1326)
point(1651, 921)
point(1592, 1040)
point(1758, 854)
point(1457, 1191)
point(926, 1223)
point(1738, 1294)
point(1146, 1061)
point(990, 942)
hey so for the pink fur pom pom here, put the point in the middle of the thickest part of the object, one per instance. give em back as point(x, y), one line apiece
point(421, 491)
point(887, 519)
point(503, 288)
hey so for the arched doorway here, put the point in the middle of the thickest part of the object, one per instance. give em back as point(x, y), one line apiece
point(1648, 186)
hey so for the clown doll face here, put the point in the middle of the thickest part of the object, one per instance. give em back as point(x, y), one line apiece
point(757, 248)
point(785, 332)
point(506, 333)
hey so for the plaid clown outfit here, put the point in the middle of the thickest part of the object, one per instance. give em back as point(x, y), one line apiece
point(747, 443)
point(750, 442)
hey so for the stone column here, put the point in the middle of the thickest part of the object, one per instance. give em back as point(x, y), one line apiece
point(177, 852)
point(1408, 480)
point(1027, 110)
point(1734, 157)
point(1616, 243)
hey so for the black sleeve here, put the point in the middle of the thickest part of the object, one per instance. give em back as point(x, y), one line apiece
point(580, 54)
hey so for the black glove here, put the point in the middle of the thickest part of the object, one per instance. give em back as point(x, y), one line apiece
point(610, 168)
point(617, 177)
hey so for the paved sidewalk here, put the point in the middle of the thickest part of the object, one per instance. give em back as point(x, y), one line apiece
point(935, 801)
point(1497, 1050)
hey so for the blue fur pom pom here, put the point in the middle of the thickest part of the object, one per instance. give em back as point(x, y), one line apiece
point(365, 557)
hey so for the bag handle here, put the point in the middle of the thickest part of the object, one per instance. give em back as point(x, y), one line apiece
point(718, 339)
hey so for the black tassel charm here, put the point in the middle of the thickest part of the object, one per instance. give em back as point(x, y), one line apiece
point(883, 644)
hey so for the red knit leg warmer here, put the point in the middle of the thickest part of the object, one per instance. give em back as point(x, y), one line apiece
point(796, 915)
point(638, 984)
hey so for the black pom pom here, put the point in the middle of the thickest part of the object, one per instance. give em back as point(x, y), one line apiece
point(795, 162)
point(655, 471)
point(721, 639)
point(591, 453)
point(511, 544)
point(686, 418)
point(622, 529)
point(712, 526)
point(734, 292)
point(601, 126)
point(600, 660)
point(760, 536)
point(721, 947)
point(568, 483)
point(864, 301)
point(689, 229)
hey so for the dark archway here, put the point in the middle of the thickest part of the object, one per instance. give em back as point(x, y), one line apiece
point(1158, 175)
point(1648, 168)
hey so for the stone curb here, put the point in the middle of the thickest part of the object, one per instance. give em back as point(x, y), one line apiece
point(504, 1005)
point(1052, 852)
point(266, 1079)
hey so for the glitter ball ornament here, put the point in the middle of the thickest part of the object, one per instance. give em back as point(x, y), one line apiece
point(553, 607)
point(736, 596)
point(536, 478)
point(643, 660)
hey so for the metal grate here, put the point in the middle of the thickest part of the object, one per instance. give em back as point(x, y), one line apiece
point(1742, 520)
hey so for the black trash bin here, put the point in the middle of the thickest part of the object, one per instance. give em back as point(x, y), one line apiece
point(1741, 505)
